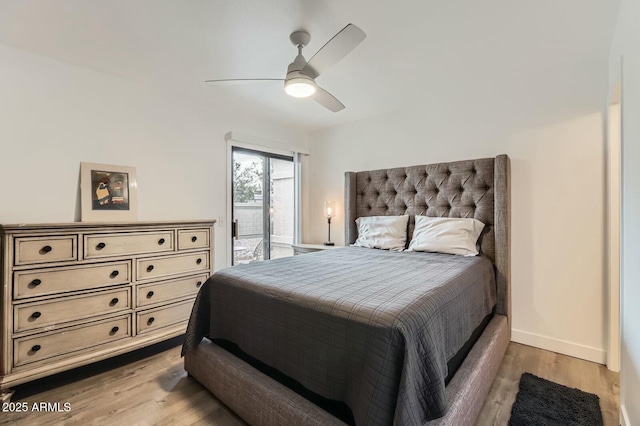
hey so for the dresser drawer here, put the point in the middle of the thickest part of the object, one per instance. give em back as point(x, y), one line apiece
point(29, 251)
point(155, 319)
point(193, 238)
point(172, 265)
point(165, 291)
point(48, 281)
point(41, 314)
point(121, 244)
point(46, 345)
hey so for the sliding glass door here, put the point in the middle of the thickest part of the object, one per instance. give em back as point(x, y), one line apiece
point(263, 212)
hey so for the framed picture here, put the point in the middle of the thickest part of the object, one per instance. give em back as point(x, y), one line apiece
point(108, 193)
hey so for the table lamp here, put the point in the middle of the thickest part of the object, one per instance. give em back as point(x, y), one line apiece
point(329, 212)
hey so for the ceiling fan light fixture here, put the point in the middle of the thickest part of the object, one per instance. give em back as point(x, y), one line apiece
point(300, 87)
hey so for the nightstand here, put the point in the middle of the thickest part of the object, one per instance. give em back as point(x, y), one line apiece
point(309, 248)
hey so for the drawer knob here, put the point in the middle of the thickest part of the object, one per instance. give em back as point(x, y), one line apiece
point(149, 268)
point(114, 274)
point(114, 301)
point(46, 249)
point(35, 283)
point(194, 239)
point(114, 330)
point(199, 261)
point(36, 315)
point(35, 348)
point(161, 241)
point(100, 246)
point(150, 320)
point(198, 284)
point(150, 295)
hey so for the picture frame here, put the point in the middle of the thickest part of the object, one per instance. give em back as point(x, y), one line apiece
point(108, 193)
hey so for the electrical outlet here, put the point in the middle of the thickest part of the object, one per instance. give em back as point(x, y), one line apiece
point(220, 221)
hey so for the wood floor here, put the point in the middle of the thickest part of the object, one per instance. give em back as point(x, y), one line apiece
point(573, 372)
point(155, 390)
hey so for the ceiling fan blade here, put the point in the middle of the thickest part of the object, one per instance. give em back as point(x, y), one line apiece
point(237, 81)
point(335, 49)
point(327, 100)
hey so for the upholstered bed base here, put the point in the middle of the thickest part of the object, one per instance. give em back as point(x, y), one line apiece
point(260, 400)
point(254, 396)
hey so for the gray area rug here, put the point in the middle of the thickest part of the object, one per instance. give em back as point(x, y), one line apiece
point(541, 402)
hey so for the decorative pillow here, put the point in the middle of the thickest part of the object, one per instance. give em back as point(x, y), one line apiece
point(446, 235)
point(382, 232)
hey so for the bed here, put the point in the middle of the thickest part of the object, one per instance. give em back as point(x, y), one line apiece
point(350, 325)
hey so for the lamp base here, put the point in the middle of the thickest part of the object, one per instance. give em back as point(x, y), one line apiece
point(329, 243)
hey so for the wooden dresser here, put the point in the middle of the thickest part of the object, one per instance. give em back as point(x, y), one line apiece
point(77, 293)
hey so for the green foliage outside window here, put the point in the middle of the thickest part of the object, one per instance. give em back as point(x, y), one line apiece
point(247, 182)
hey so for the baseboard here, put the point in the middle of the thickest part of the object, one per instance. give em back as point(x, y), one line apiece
point(560, 346)
point(624, 417)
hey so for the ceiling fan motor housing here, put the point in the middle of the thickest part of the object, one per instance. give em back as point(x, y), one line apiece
point(296, 83)
point(297, 64)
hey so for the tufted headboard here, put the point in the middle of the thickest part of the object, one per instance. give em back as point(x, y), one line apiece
point(477, 189)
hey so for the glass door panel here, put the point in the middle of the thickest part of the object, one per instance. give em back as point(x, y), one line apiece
point(281, 210)
point(263, 211)
point(248, 207)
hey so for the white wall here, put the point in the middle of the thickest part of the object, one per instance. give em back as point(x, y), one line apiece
point(557, 157)
point(626, 45)
point(54, 115)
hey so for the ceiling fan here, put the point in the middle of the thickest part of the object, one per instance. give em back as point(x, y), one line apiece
point(300, 79)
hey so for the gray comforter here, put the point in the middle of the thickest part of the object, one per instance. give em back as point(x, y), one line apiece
point(369, 327)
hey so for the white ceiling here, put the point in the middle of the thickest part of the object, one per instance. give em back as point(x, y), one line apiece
point(413, 48)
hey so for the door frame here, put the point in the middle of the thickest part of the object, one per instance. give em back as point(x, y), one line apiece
point(266, 193)
point(614, 205)
point(252, 143)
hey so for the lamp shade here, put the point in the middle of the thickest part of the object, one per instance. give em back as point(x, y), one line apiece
point(329, 209)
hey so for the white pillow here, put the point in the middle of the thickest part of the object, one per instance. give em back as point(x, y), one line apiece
point(446, 235)
point(382, 232)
